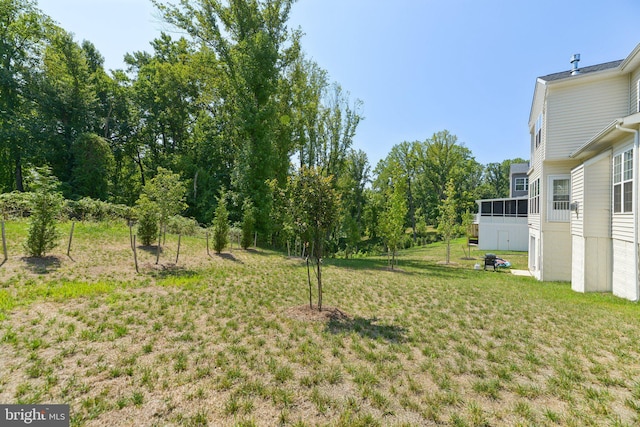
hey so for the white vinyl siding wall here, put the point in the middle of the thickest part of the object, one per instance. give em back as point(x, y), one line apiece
point(634, 97)
point(576, 113)
point(577, 193)
point(597, 198)
point(623, 280)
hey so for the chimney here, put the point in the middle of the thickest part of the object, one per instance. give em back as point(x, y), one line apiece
point(574, 61)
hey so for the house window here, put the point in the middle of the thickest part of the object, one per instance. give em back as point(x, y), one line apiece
point(561, 194)
point(623, 182)
point(534, 197)
point(638, 95)
point(538, 130)
point(522, 184)
point(559, 197)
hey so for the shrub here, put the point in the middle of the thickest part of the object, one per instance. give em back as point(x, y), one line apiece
point(15, 204)
point(45, 205)
point(148, 216)
point(88, 209)
point(178, 224)
point(221, 225)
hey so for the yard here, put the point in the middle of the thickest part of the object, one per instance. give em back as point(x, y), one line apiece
point(229, 340)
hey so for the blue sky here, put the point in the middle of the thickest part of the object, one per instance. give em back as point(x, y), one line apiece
point(419, 66)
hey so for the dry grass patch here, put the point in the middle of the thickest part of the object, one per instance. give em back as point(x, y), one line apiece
point(231, 341)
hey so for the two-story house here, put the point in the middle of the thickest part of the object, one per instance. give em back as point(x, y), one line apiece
point(583, 213)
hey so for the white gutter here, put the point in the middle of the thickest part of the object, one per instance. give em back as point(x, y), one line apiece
point(634, 201)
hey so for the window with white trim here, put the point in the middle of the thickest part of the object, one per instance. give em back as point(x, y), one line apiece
point(623, 182)
point(534, 197)
point(561, 194)
point(522, 184)
point(559, 198)
point(538, 130)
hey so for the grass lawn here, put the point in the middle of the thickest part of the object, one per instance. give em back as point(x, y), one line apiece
point(228, 340)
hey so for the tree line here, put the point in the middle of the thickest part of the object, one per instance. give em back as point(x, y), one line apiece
point(237, 111)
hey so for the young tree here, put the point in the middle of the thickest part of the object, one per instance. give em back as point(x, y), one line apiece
point(392, 221)
point(168, 192)
point(448, 220)
point(46, 204)
point(316, 204)
point(221, 224)
point(148, 218)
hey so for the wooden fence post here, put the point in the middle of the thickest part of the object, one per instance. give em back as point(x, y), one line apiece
point(178, 253)
point(135, 253)
point(4, 243)
point(73, 224)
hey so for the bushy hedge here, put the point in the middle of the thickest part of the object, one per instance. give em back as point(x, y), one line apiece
point(88, 209)
point(15, 204)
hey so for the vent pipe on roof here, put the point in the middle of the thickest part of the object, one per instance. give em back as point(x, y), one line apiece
point(574, 61)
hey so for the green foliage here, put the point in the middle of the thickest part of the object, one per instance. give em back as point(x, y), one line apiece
point(221, 225)
point(93, 166)
point(46, 204)
point(168, 192)
point(315, 204)
point(88, 209)
point(392, 221)
point(248, 225)
point(15, 204)
point(148, 218)
point(180, 225)
point(448, 224)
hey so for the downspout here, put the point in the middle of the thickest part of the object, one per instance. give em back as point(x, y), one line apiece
point(634, 201)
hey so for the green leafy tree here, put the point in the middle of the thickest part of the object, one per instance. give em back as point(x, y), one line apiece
point(67, 101)
point(168, 192)
point(148, 218)
point(248, 225)
point(221, 224)
point(46, 204)
point(93, 166)
point(316, 206)
point(392, 221)
point(448, 225)
point(495, 179)
point(253, 46)
point(22, 40)
point(440, 159)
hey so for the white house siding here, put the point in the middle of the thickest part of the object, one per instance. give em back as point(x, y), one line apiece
point(597, 197)
point(591, 242)
point(623, 272)
point(598, 264)
point(556, 253)
point(576, 113)
point(634, 98)
point(577, 264)
point(577, 193)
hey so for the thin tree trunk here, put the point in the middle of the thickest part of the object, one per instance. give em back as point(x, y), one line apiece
point(18, 172)
point(319, 284)
point(309, 279)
